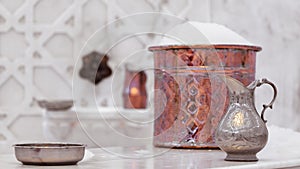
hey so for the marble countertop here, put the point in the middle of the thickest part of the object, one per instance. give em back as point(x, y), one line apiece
point(282, 151)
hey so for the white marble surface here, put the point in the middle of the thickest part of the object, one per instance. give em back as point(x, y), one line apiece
point(280, 152)
point(103, 127)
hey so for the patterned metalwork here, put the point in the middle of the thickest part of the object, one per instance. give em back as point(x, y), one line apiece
point(242, 132)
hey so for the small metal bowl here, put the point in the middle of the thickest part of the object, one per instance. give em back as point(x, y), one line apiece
point(56, 105)
point(49, 153)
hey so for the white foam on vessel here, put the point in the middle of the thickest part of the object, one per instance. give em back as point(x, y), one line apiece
point(195, 33)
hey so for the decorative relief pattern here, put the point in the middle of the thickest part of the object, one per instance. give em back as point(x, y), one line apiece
point(196, 107)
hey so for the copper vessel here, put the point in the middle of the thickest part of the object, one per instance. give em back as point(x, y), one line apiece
point(134, 92)
point(193, 101)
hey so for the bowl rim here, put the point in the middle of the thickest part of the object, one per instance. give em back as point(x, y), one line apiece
point(49, 145)
point(205, 46)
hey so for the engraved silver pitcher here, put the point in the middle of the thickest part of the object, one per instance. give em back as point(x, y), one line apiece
point(242, 132)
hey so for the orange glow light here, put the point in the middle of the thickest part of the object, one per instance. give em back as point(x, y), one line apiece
point(134, 91)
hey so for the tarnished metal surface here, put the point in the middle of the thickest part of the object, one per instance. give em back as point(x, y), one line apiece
point(242, 131)
point(49, 153)
point(56, 105)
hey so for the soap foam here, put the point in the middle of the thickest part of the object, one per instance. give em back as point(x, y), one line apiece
point(197, 33)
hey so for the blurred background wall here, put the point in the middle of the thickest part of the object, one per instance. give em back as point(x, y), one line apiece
point(41, 42)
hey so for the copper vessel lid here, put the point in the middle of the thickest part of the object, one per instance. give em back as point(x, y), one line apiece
point(218, 46)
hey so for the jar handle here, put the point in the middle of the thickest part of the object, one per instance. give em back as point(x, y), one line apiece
point(270, 105)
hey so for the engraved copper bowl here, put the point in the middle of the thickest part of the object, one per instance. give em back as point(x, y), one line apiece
point(49, 153)
point(193, 102)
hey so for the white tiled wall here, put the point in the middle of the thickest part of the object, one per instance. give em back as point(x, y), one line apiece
point(275, 26)
point(41, 42)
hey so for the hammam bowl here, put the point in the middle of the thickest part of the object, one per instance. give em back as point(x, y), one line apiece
point(49, 153)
